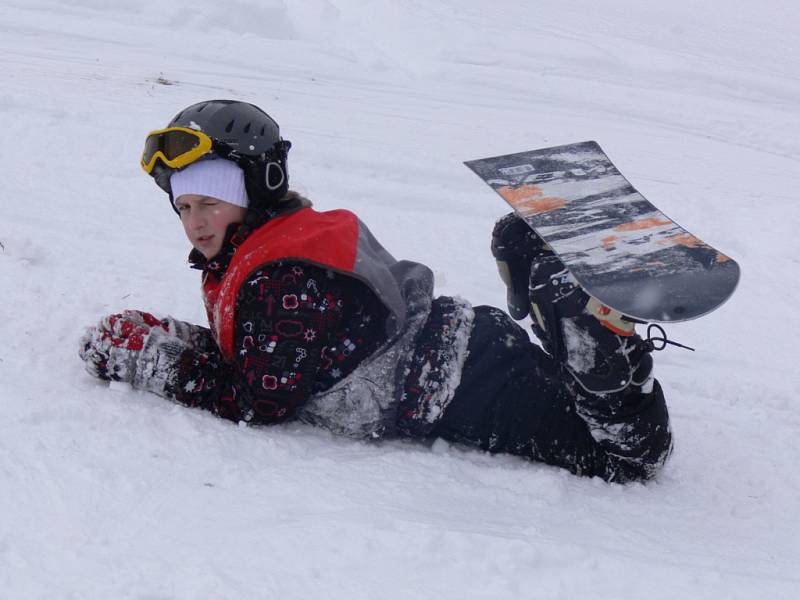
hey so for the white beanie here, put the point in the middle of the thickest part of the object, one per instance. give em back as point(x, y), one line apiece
point(222, 179)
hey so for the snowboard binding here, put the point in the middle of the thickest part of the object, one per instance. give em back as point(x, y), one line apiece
point(597, 345)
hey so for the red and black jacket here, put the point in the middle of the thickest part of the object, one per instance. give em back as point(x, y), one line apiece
point(301, 310)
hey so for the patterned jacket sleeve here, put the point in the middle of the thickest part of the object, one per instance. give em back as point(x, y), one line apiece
point(287, 317)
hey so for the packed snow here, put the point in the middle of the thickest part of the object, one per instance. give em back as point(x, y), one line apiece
point(107, 492)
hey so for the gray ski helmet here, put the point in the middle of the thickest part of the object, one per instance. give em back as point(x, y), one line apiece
point(243, 133)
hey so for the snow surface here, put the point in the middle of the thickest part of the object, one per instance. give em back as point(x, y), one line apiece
point(112, 493)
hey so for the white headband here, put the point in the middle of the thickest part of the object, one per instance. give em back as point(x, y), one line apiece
point(222, 179)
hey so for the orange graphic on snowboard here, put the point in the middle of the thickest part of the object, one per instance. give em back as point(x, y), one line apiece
point(529, 199)
point(609, 242)
point(643, 224)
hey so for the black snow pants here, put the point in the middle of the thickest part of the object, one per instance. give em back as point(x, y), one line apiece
point(513, 398)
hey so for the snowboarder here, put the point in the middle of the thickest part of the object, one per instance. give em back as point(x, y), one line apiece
point(310, 318)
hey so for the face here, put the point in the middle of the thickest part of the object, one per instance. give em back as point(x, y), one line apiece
point(205, 221)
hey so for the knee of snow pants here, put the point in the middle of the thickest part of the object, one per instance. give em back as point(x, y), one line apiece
point(513, 399)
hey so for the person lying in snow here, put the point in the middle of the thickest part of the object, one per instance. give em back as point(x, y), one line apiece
point(312, 319)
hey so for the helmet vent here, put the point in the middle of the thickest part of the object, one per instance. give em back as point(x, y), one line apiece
point(202, 107)
point(247, 128)
point(229, 128)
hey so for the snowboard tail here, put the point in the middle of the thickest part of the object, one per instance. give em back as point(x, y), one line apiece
point(620, 247)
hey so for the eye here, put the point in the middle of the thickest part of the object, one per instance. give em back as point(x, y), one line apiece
point(182, 207)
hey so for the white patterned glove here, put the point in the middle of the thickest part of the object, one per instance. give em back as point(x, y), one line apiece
point(138, 350)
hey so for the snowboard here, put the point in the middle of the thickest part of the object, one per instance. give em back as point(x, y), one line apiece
point(621, 249)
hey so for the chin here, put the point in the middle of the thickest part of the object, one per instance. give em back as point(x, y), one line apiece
point(209, 254)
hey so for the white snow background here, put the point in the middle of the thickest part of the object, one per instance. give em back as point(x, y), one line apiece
point(108, 494)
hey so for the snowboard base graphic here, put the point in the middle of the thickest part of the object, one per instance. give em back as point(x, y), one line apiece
point(621, 249)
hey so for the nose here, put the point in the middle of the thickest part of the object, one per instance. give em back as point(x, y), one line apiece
point(195, 220)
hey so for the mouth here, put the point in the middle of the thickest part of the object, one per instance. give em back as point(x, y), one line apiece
point(203, 240)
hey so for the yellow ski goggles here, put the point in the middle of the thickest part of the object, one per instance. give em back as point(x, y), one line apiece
point(175, 147)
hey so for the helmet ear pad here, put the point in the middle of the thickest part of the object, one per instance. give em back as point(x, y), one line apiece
point(274, 175)
point(267, 180)
point(266, 184)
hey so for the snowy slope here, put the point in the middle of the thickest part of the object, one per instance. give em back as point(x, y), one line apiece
point(107, 494)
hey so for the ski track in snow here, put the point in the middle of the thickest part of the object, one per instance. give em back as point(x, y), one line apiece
point(119, 494)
